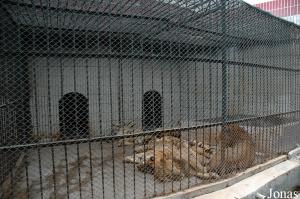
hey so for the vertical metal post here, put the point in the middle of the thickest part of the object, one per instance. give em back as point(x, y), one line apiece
point(224, 66)
point(224, 73)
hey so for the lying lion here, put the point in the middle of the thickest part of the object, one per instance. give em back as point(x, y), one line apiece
point(172, 158)
point(165, 165)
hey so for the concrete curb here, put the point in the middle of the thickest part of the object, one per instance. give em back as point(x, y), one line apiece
point(294, 153)
point(274, 182)
point(208, 188)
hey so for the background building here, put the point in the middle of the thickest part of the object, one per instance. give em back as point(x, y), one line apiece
point(286, 9)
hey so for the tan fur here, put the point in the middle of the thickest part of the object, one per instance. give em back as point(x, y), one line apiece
point(173, 158)
point(186, 150)
point(202, 149)
point(239, 150)
point(233, 134)
point(168, 165)
point(207, 135)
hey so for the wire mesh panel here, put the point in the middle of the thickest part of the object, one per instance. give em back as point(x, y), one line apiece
point(139, 98)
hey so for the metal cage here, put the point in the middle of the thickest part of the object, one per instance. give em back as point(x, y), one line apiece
point(141, 98)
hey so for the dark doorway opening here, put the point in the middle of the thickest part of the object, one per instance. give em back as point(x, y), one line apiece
point(152, 110)
point(73, 116)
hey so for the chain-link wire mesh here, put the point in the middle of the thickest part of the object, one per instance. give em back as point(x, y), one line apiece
point(141, 98)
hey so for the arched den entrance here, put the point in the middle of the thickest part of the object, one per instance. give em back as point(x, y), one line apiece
point(152, 110)
point(73, 116)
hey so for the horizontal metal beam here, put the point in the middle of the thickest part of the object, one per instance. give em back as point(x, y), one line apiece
point(138, 134)
point(52, 53)
point(129, 16)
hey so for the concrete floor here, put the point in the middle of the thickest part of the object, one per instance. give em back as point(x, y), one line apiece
point(110, 177)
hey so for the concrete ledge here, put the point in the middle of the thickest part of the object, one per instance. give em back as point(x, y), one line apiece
point(208, 188)
point(281, 177)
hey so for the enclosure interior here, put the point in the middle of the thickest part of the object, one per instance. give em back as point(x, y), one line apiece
point(78, 77)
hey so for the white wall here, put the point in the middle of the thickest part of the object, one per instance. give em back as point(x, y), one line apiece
point(191, 91)
point(183, 86)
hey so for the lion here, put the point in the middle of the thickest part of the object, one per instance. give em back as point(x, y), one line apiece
point(235, 142)
point(187, 149)
point(173, 159)
point(238, 150)
point(169, 164)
